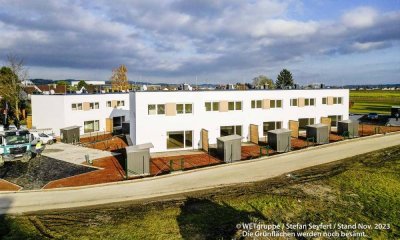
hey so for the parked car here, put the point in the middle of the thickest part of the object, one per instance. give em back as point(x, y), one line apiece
point(45, 138)
point(373, 116)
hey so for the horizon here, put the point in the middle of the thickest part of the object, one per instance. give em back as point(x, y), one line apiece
point(330, 42)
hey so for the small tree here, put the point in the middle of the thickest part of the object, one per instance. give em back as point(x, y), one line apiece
point(82, 84)
point(284, 79)
point(262, 81)
point(11, 78)
point(119, 78)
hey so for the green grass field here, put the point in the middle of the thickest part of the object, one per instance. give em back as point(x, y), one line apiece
point(363, 189)
point(378, 101)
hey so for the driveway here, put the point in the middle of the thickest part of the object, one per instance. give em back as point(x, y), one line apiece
point(227, 174)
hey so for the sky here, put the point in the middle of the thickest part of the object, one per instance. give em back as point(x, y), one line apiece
point(335, 42)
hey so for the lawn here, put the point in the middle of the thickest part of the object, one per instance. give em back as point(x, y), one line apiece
point(363, 189)
point(378, 101)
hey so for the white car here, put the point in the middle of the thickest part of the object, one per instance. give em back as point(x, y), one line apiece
point(45, 138)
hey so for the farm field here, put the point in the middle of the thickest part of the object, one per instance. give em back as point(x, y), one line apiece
point(378, 101)
point(367, 186)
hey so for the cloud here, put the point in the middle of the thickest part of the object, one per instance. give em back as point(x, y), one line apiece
point(176, 39)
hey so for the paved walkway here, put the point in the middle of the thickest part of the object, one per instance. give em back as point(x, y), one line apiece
point(72, 153)
point(200, 179)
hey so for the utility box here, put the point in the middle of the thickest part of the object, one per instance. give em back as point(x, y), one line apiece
point(348, 127)
point(320, 133)
point(279, 139)
point(70, 134)
point(125, 127)
point(229, 148)
point(138, 160)
point(394, 110)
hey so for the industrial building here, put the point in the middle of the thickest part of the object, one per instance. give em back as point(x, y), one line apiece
point(91, 112)
point(175, 120)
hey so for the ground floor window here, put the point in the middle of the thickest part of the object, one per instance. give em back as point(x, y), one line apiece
point(335, 119)
point(91, 126)
point(268, 126)
point(303, 122)
point(230, 130)
point(179, 139)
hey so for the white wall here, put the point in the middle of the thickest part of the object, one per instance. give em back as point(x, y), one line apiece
point(55, 111)
point(153, 128)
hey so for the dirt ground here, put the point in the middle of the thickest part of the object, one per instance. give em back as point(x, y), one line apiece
point(367, 130)
point(39, 171)
point(253, 151)
point(161, 165)
point(7, 186)
point(111, 172)
point(109, 143)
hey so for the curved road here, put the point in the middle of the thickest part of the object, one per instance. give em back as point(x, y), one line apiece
point(206, 178)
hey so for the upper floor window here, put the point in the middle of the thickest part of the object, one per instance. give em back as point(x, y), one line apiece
point(108, 103)
point(293, 102)
point(256, 103)
point(211, 106)
point(275, 103)
point(184, 108)
point(154, 109)
point(309, 102)
point(94, 105)
point(121, 103)
point(232, 106)
point(76, 106)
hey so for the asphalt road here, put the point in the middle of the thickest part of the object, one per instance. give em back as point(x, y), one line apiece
point(200, 179)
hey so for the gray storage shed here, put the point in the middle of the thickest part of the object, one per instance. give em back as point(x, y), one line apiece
point(320, 133)
point(348, 127)
point(138, 160)
point(229, 148)
point(279, 139)
point(70, 134)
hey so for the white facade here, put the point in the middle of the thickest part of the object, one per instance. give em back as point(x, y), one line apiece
point(59, 111)
point(155, 128)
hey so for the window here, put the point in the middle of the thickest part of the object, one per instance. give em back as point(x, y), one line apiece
point(188, 108)
point(279, 103)
point(91, 105)
point(272, 103)
point(91, 126)
point(179, 139)
point(73, 106)
point(230, 130)
point(179, 108)
point(208, 106)
point(108, 103)
point(256, 103)
point(231, 106)
point(96, 105)
point(122, 103)
point(117, 121)
point(79, 106)
point(340, 100)
point(268, 126)
point(238, 105)
point(335, 100)
point(303, 122)
point(293, 102)
point(275, 103)
point(335, 119)
point(309, 102)
point(324, 100)
point(152, 109)
point(160, 109)
point(215, 106)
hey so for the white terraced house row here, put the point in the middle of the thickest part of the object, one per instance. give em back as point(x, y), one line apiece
point(174, 120)
point(92, 112)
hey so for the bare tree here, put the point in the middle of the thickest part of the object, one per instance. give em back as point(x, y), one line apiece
point(11, 78)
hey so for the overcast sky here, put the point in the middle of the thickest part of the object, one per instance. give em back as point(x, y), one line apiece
point(325, 41)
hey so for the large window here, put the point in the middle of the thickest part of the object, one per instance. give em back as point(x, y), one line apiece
point(268, 126)
point(335, 119)
point(91, 126)
point(117, 121)
point(230, 130)
point(303, 122)
point(179, 139)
